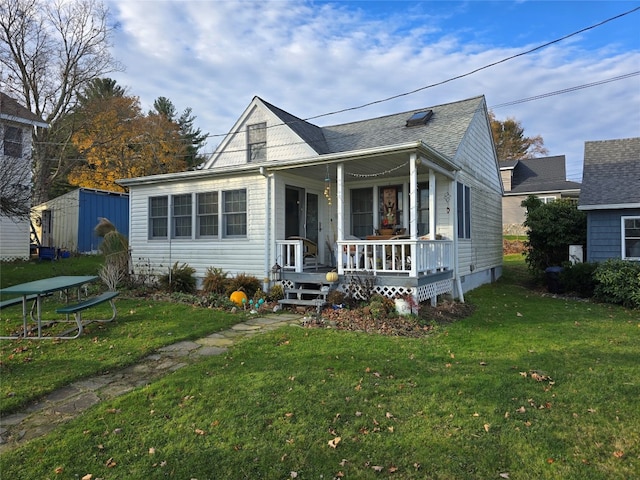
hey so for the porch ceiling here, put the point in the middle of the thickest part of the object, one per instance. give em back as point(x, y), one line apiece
point(387, 166)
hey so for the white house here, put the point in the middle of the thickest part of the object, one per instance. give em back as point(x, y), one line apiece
point(16, 128)
point(410, 201)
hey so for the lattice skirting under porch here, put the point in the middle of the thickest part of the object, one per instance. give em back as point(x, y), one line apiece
point(432, 290)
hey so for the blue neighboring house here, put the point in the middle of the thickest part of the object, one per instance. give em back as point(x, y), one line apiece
point(611, 198)
point(67, 222)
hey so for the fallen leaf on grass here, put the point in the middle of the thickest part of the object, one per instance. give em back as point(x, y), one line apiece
point(152, 451)
point(334, 442)
point(618, 454)
point(200, 432)
point(487, 426)
point(59, 470)
point(88, 476)
point(377, 468)
point(521, 410)
point(110, 463)
point(504, 475)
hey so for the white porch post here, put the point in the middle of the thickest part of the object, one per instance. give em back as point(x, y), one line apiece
point(432, 204)
point(413, 196)
point(340, 212)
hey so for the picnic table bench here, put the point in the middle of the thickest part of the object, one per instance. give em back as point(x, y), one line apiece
point(76, 309)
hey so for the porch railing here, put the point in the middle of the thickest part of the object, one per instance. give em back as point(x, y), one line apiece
point(400, 257)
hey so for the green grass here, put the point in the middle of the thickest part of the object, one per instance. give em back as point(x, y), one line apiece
point(452, 405)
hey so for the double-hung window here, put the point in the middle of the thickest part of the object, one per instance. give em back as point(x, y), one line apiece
point(207, 217)
point(464, 210)
point(12, 141)
point(361, 212)
point(181, 216)
point(631, 238)
point(234, 213)
point(423, 208)
point(158, 217)
point(257, 142)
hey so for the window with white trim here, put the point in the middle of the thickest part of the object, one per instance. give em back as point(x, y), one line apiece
point(158, 217)
point(423, 208)
point(547, 199)
point(207, 214)
point(12, 141)
point(361, 212)
point(257, 142)
point(631, 238)
point(464, 210)
point(234, 213)
point(181, 216)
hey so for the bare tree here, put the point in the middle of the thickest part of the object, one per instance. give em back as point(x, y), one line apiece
point(49, 50)
point(15, 187)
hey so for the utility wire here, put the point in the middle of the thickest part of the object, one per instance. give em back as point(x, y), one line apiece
point(457, 77)
point(565, 90)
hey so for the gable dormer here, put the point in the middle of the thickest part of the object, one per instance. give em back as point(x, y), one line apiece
point(266, 134)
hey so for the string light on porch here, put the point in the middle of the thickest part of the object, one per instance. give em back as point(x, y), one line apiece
point(327, 187)
point(379, 174)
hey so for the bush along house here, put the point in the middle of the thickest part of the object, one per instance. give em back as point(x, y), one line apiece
point(403, 204)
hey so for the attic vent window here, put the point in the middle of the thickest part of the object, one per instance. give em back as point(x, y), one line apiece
point(419, 118)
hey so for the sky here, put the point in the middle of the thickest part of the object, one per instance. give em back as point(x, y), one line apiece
point(313, 58)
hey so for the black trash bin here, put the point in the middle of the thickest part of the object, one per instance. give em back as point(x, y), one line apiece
point(553, 279)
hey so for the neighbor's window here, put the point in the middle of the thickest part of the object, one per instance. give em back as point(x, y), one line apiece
point(464, 211)
point(12, 141)
point(361, 212)
point(207, 217)
point(234, 213)
point(631, 238)
point(257, 142)
point(181, 216)
point(423, 208)
point(158, 217)
point(547, 199)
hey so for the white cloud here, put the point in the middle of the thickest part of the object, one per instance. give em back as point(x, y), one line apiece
point(312, 59)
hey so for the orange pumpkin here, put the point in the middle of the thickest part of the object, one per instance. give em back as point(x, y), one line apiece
point(239, 298)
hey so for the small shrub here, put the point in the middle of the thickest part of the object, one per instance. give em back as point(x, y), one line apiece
point(246, 283)
point(381, 307)
point(215, 281)
point(336, 297)
point(578, 278)
point(618, 281)
point(276, 293)
point(179, 279)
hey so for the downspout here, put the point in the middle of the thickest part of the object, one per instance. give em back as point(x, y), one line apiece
point(267, 237)
point(455, 238)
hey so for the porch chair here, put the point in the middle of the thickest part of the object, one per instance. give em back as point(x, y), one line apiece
point(395, 252)
point(309, 249)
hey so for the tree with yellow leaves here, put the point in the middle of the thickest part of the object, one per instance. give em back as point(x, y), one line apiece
point(118, 141)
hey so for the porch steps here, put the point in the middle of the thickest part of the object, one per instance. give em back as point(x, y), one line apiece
point(306, 294)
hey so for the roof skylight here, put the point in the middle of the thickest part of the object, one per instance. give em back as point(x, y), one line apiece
point(419, 118)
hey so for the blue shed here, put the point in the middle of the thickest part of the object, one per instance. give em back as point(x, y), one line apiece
point(68, 221)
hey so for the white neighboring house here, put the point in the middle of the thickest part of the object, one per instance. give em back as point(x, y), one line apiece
point(16, 129)
point(431, 175)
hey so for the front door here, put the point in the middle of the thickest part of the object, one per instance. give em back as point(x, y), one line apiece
point(301, 214)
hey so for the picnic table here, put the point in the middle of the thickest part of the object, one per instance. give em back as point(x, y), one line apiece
point(38, 289)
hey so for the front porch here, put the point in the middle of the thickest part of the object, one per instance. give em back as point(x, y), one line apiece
point(391, 267)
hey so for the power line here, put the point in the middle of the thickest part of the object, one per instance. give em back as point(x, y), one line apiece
point(565, 90)
point(457, 77)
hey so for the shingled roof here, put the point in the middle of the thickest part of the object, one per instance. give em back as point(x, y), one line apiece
point(611, 174)
point(443, 131)
point(536, 175)
point(13, 111)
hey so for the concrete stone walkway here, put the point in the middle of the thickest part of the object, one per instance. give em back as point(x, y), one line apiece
point(66, 403)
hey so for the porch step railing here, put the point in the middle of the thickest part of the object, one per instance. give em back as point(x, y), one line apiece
point(401, 257)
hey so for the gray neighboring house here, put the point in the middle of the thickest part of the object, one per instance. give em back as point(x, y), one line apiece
point(16, 128)
point(543, 177)
point(611, 198)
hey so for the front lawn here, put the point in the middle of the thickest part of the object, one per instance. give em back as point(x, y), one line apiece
point(529, 387)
